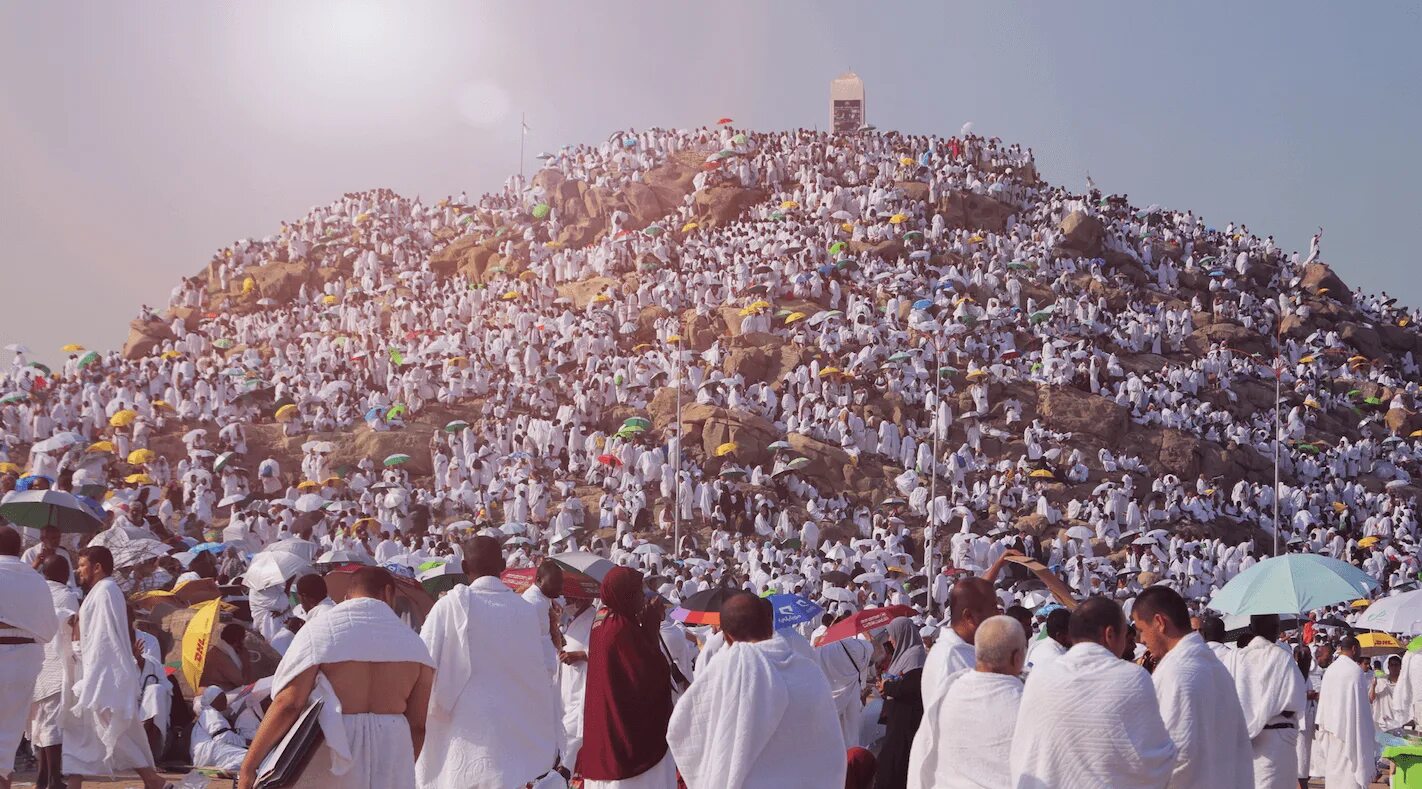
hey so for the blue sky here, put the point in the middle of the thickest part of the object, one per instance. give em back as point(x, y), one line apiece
point(137, 138)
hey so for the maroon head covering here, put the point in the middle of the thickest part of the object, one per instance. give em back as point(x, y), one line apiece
point(628, 699)
point(859, 773)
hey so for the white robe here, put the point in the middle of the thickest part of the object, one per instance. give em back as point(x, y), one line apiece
point(761, 716)
point(1091, 719)
point(103, 730)
point(1201, 711)
point(975, 726)
point(28, 611)
point(950, 654)
point(493, 719)
point(573, 681)
point(362, 749)
point(1269, 684)
point(846, 665)
point(1347, 741)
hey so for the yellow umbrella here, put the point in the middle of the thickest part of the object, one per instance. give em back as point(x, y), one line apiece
point(1415, 434)
point(828, 371)
point(1339, 506)
point(601, 298)
point(1369, 541)
point(101, 446)
point(975, 239)
point(726, 449)
point(847, 227)
point(72, 348)
point(140, 456)
point(9, 468)
point(329, 298)
point(162, 405)
point(509, 295)
point(1042, 473)
point(1309, 359)
point(286, 413)
point(674, 338)
point(1357, 359)
point(202, 629)
point(138, 479)
point(123, 418)
point(689, 226)
point(786, 205)
point(1378, 640)
point(905, 161)
point(976, 374)
point(170, 355)
point(898, 219)
point(1311, 403)
point(248, 285)
point(1360, 603)
point(307, 484)
point(794, 316)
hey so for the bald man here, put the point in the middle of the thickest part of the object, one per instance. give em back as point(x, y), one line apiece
point(972, 736)
point(971, 602)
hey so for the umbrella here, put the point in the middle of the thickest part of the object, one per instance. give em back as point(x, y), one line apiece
point(139, 479)
point(839, 594)
point(136, 552)
point(58, 442)
point(648, 547)
point(869, 578)
point(39, 508)
point(396, 459)
point(726, 449)
point(309, 502)
point(223, 460)
point(342, 557)
point(441, 578)
point(88, 359)
point(637, 421)
point(139, 457)
point(412, 602)
point(286, 413)
point(200, 634)
point(1292, 584)
point(582, 572)
point(792, 609)
point(609, 459)
point(1080, 533)
point(1400, 613)
point(13, 397)
point(835, 577)
point(274, 567)
point(866, 621)
point(1374, 644)
point(704, 607)
point(455, 426)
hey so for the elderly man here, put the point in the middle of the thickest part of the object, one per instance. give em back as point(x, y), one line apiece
point(761, 716)
point(1271, 693)
point(1196, 693)
point(1347, 739)
point(494, 720)
point(1091, 718)
point(27, 623)
point(971, 602)
point(103, 732)
point(373, 676)
point(979, 712)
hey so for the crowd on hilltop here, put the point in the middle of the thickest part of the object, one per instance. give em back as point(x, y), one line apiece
point(914, 345)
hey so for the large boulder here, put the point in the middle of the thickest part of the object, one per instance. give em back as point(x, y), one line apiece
point(719, 205)
point(281, 281)
point(707, 427)
point(144, 338)
point(973, 211)
point(761, 357)
point(1070, 410)
point(1364, 339)
point(1228, 334)
point(1082, 233)
point(1317, 276)
point(827, 462)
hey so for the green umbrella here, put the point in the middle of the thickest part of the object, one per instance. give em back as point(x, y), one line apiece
point(44, 368)
point(1040, 316)
point(223, 343)
point(456, 426)
point(541, 211)
point(88, 359)
point(1017, 265)
point(913, 235)
point(13, 397)
point(637, 421)
point(777, 215)
point(40, 508)
point(901, 356)
point(1294, 583)
point(836, 248)
point(399, 458)
point(653, 230)
point(739, 139)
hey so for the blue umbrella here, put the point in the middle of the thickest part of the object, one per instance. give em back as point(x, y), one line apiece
point(792, 609)
point(923, 304)
point(209, 547)
point(1294, 583)
point(375, 413)
point(26, 482)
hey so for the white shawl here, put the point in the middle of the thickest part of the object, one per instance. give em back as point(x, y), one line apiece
point(107, 688)
point(360, 629)
point(1090, 719)
point(1267, 682)
point(760, 716)
point(975, 725)
point(1345, 725)
point(60, 649)
point(1201, 711)
point(25, 601)
point(949, 655)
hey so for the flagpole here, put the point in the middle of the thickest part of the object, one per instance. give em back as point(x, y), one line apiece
point(522, 138)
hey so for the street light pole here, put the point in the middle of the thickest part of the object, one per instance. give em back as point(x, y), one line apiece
point(931, 531)
point(676, 469)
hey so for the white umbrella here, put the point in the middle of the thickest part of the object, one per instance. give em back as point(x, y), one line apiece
point(17, 348)
point(342, 557)
point(193, 435)
point(1400, 613)
point(1080, 533)
point(119, 536)
point(309, 502)
point(647, 547)
point(869, 578)
point(1143, 541)
point(136, 552)
point(272, 568)
point(514, 528)
point(57, 442)
point(235, 498)
point(839, 594)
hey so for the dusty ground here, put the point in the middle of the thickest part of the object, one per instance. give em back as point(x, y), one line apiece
point(26, 780)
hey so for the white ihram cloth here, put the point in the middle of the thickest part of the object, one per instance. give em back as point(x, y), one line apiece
point(26, 611)
point(846, 665)
point(1347, 740)
point(1091, 719)
point(1268, 683)
point(975, 725)
point(661, 775)
point(1201, 711)
point(365, 749)
point(949, 655)
point(103, 728)
point(573, 682)
point(760, 715)
point(1409, 687)
point(494, 720)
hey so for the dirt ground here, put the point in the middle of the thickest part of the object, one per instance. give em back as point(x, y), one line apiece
point(26, 780)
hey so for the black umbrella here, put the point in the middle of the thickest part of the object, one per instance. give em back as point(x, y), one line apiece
point(835, 577)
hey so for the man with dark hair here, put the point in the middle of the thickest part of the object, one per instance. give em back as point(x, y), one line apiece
point(547, 587)
point(1212, 629)
point(27, 622)
point(494, 720)
point(105, 733)
point(1347, 737)
point(1055, 644)
point(311, 591)
point(361, 656)
point(760, 715)
point(47, 711)
point(1271, 694)
point(971, 602)
point(1068, 704)
point(1196, 694)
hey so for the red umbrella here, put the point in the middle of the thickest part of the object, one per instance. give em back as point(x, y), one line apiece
point(609, 460)
point(724, 121)
point(576, 585)
point(868, 620)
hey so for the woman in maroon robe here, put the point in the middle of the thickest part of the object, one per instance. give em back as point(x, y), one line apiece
point(628, 699)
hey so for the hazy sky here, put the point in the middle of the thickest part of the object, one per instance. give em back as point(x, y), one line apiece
point(136, 138)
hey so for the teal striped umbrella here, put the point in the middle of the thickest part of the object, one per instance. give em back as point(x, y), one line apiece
point(1294, 583)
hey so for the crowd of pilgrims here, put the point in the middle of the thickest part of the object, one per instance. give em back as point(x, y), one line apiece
point(924, 314)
